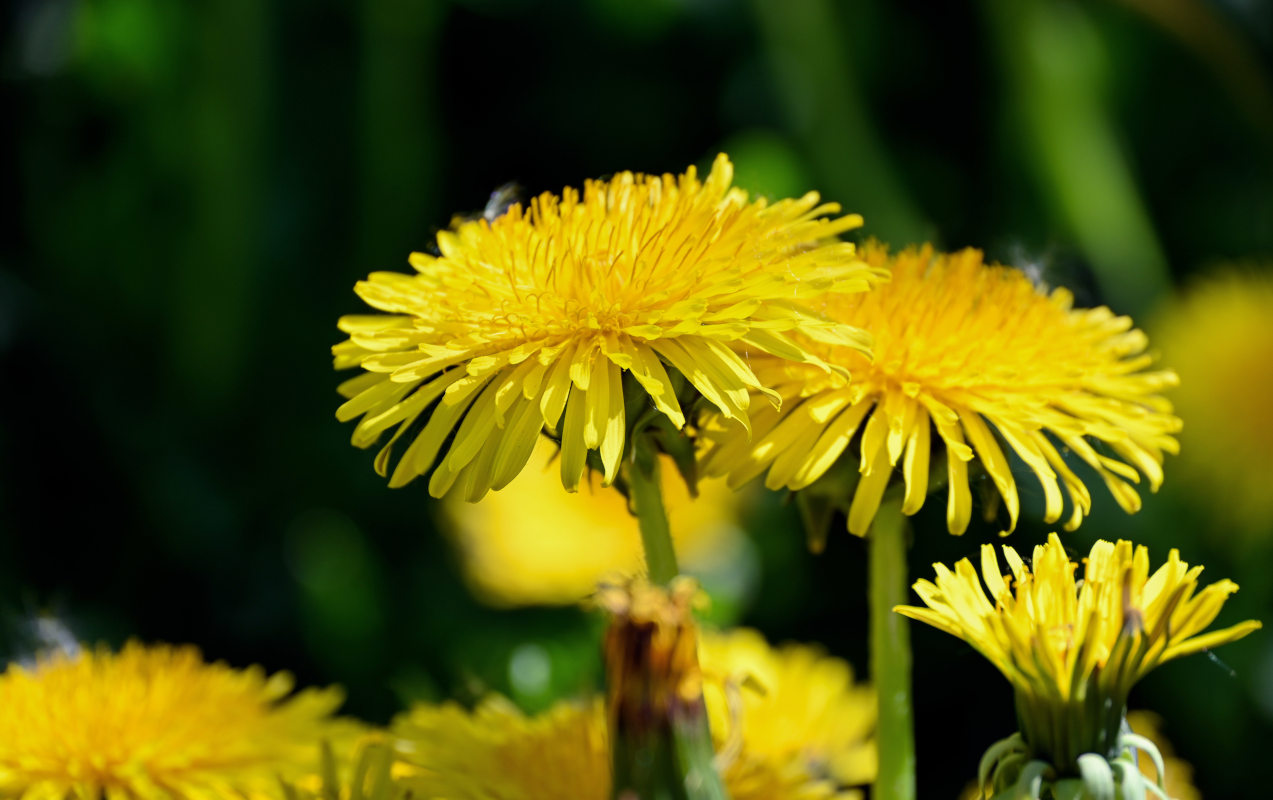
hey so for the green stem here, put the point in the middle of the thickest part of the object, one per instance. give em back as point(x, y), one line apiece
point(646, 494)
point(891, 654)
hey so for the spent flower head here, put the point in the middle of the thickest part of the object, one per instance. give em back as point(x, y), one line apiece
point(156, 722)
point(980, 355)
point(1073, 645)
point(574, 313)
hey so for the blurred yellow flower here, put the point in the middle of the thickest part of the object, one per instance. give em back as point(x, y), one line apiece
point(533, 319)
point(792, 705)
point(362, 770)
point(1179, 777)
point(1219, 336)
point(152, 723)
point(1072, 649)
point(534, 544)
point(497, 751)
point(972, 350)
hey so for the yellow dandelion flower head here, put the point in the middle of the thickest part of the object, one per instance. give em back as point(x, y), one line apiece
point(1069, 643)
point(498, 751)
point(1219, 336)
point(970, 350)
point(154, 723)
point(531, 321)
point(796, 711)
point(534, 544)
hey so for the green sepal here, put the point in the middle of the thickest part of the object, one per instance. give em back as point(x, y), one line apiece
point(1134, 741)
point(1131, 784)
point(1030, 783)
point(1098, 777)
point(994, 757)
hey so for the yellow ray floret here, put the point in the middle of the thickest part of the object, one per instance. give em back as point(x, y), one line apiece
point(533, 320)
point(153, 723)
point(805, 732)
point(980, 356)
point(1058, 635)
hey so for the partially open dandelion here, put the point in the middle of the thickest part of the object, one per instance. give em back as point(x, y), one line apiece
point(977, 353)
point(532, 320)
point(535, 544)
point(1073, 646)
point(1219, 335)
point(497, 751)
point(152, 723)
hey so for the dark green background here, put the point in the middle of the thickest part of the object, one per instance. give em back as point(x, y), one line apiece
point(195, 188)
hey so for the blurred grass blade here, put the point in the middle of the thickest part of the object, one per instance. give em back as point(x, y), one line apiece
point(1052, 59)
point(827, 110)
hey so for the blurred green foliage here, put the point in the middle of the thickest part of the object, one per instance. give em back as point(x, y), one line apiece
point(198, 186)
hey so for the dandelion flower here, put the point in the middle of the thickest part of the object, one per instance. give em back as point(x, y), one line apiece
point(972, 351)
point(152, 723)
point(795, 708)
point(1227, 379)
point(532, 320)
point(497, 751)
point(1072, 649)
point(534, 544)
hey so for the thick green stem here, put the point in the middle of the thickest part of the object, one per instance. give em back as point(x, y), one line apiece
point(891, 654)
point(646, 495)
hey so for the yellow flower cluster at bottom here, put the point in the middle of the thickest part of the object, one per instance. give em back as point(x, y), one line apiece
point(157, 722)
point(789, 723)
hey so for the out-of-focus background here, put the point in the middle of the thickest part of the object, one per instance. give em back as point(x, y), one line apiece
point(195, 188)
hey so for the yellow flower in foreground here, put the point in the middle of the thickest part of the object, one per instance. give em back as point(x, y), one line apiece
point(152, 723)
point(1219, 335)
point(1073, 648)
point(497, 751)
point(532, 543)
point(533, 320)
point(973, 351)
